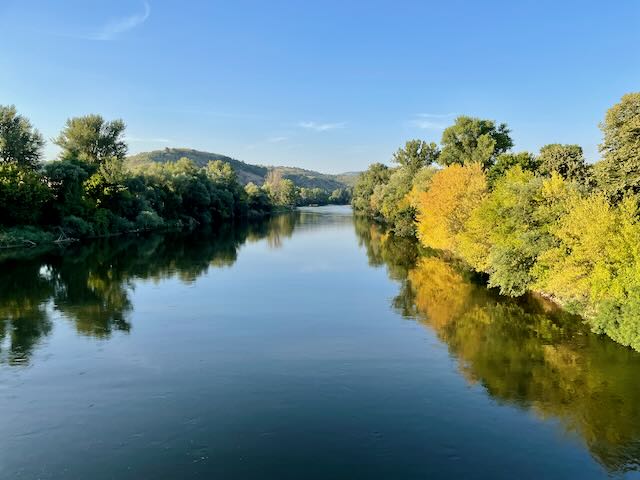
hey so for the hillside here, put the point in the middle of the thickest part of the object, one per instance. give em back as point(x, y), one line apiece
point(247, 172)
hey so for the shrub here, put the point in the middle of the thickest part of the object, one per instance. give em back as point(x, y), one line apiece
point(149, 220)
point(76, 227)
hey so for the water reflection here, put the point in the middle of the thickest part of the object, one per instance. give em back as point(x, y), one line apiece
point(525, 353)
point(90, 284)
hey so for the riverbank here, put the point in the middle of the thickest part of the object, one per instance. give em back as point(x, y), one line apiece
point(31, 236)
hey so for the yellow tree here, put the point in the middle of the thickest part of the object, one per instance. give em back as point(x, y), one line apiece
point(444, 209)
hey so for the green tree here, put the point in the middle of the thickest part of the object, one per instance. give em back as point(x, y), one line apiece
point(340, 196)
point(471, 140)
point(23, 194)
point(506, 161)
point(287, 194)
point(282, 191)
point(377, 174)
point(66, 180)
point(92, 140)
point(567, 160)
point(619, 171)
point(20, 143)
point(258, 200)
point(416, 154)
point(106, 187)
point(510, 229)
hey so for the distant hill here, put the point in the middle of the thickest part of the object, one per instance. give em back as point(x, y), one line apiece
point(247, 172)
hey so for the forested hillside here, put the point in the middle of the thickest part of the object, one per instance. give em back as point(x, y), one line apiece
point(246, 172)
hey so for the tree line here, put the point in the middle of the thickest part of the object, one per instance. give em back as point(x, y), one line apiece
point(550, 222)
point(90, 190)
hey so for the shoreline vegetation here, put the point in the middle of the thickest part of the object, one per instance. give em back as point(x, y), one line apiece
point(93, 191)
point(548, 223)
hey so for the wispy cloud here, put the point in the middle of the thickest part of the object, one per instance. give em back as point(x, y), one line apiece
point(321, 127)
point(277, 139)
point(432, 121)
point(117, 26)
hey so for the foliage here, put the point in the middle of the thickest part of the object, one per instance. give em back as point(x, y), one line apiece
point(66, 180)
point(506, 161)
point(92, 139)
point(149, 220)
point(282, 191)
point(526, 353)
point(472, 140)
point(24, 235)
point(596, 265)
point(377, 174)
point(567, 160)
point(76, 227)
point(509, 230)
point(340, 196)
point(257, 199)
point(416, 154)
point(245, 172)
point(91, 191)
point(619, 171)
point(20, 143)
point(445, 207)
point(393, 204)
point(23, 194)
point(312, 196)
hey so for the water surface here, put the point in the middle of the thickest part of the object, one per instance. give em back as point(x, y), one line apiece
point(311, 345)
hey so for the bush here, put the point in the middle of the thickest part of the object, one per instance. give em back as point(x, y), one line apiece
point(101, 221)
point(76, 227)
point(149, 220)
point(24, 236)
point(120, 224)
point(23, 194)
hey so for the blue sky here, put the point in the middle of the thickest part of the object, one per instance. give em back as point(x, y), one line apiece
point(327, 85)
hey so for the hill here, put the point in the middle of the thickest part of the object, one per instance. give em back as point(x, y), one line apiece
point(247, 172)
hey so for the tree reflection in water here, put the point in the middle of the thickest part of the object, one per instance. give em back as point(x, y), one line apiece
point(524, 352)
point(90, 284)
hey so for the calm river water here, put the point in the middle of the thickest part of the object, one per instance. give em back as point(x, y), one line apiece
point(312, 345)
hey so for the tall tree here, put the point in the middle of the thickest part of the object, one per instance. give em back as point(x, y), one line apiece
point(471, 140)
point(92, 140)
point(567, 160)
point(506, 161)
point(444, 208)
point(20, 143)
point(619, 171)
point(377, 174)
point(416, 154)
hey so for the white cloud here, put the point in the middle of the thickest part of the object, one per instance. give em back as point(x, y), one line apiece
point(321, 127)
point(120, 25)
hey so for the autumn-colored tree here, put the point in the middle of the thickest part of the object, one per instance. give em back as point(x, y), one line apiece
point(595, 266)
point(443, 210)
point(507, 232)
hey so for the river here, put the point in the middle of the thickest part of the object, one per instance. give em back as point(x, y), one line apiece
point(309, 345)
